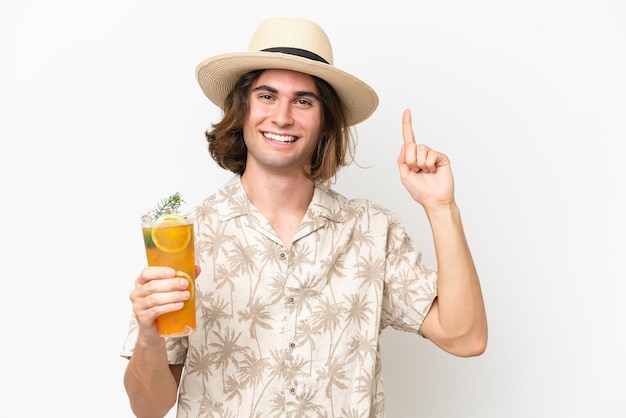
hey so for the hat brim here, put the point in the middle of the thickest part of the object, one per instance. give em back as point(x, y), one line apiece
point(218, 75)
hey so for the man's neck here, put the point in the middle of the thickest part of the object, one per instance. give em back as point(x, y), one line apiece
point(282, 199)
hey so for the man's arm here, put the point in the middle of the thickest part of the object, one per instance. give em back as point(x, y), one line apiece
point(457, 321)
point(151, 384)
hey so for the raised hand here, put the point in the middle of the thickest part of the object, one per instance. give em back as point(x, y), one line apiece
point(425, 173)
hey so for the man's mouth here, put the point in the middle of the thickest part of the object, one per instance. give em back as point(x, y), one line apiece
point(283, 139)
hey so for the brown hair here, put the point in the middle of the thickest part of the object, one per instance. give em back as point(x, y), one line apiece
point(335, 148)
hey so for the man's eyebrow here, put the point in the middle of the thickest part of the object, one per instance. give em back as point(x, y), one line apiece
point(265, 88)
point(274, 91)
point(307, 94)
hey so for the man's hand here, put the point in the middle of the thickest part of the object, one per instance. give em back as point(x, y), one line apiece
point(157, 291)
point(425, 173)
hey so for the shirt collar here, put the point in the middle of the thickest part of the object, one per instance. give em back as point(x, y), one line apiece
point(232, 201)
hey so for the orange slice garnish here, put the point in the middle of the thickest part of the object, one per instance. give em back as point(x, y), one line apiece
point(170, 233)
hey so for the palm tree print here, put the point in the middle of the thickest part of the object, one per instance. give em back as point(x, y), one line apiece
point(292, 331)
point(226, 349)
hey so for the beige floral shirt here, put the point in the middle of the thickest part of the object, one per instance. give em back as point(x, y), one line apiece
point(294, 333)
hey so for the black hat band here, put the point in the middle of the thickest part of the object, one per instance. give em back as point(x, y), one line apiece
point(298, 52)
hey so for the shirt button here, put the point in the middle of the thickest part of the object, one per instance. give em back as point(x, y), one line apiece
point(292, 345)
point(292, 299)
point(282, 255)
point(292, 390)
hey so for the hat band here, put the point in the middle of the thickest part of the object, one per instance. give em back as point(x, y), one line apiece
point(298, 52)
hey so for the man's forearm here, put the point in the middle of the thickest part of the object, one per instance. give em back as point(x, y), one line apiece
point(149, 383)
point(460, 301)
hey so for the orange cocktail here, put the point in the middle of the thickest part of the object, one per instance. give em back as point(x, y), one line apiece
point(169, 241)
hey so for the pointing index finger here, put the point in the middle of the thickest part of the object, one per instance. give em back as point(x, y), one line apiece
point(407, 128)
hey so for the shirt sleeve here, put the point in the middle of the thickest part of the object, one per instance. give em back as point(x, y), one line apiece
point(176, 346)
point(410, 286)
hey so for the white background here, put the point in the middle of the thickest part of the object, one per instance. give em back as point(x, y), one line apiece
point(101, 116)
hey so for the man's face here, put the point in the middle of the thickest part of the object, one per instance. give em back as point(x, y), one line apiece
point(283, 124)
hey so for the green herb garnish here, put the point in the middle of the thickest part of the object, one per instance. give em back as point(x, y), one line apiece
point(170, 204)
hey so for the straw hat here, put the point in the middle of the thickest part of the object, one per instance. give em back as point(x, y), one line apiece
point(288, 44)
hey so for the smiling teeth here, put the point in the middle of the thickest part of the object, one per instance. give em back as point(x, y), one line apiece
point(283, 139)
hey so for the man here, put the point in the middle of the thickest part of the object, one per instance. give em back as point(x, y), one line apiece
point(295, 282)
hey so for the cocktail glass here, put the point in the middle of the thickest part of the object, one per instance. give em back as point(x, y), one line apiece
point(169, 241)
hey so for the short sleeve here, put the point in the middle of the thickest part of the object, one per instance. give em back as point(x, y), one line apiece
point(410, 286)
point(176, 346)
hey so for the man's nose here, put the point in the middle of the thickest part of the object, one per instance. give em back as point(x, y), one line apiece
point(281, 114)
